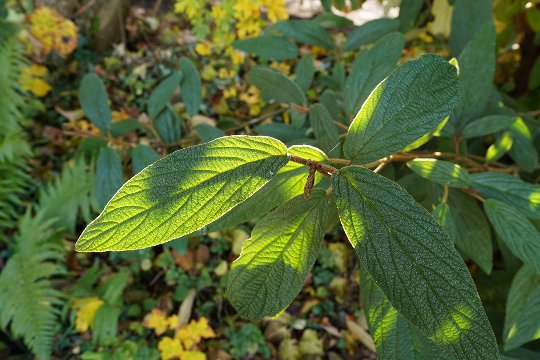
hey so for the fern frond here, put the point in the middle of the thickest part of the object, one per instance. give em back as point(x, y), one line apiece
point(29, 304)
point(14, 180)
point(70, 193)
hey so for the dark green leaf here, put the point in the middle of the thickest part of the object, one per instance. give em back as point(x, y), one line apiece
point(487, 125)
point(468, 18)
point(269, 47)
point(283, 132)
point(522, 150)
point(444, 217)
point(275, 262)
point(208, 133)
point(325, 131)
point(167, 125)
point(330, 20)
point(109, 175)
point(162, 93)
point(142, 156)
point(190, 86)
point(414, 263)
point(408, 13)
point(274, 85)
point(441, 172)
point(330, 101)
point(411, 102)
point(124, 127)
point(304, 72)
point(95, 102)
point(370, 32)
point(307, 32)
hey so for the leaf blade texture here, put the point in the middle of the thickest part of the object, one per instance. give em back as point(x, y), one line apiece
point(183, 192)
point(441, 172)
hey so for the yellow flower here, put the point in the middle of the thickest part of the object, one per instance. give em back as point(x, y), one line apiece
point(276, 10)
point(192, 355)
point(248, 28)
point(203, 48)
point(192, 334)
point(281, 66)
point(157, 320)
point(251, 96)
point(192, 8)
point(254, 110)
point(170, 348)
point(237, 57)
point(32, 79)
point(218, 13)
point(86, 312)
point(208, 73)
point(230, 92)
point(52, 31)
point(247, 9)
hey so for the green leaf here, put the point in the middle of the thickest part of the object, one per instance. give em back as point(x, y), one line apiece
point(331, 21)
point(208, 133)
point(444, 217)
point(190, 86)
point(468, 18)
point(522, 323)
point(325, 131)
point(304, 72)
point(516, 231)
point(394, 336)
point(487, 125)
point(124, 127)
point(283, 132)
point(473, 235)
point(414, 263)
point(274, 85)
point(523, 151)
point(307, 32)
point(502, 144)
point(183, 192)
point(168, 126)
point(94, 101)
point(268, 47)
point(330, 101)
point(109, 175)
point(286, 184)
point(370, 32)
point(162, 93)
point(411, 102)
point(441, 172)
point(105, 324)
point(509, 189)
point(476, 69)
point(408, 13)
point(275, 262)
point(370, 68)
point(142, 156)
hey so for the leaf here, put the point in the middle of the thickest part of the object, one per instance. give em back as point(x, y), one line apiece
point(394, 336)
point(509, 189)
point(370, 32)
point(411, 102)
point(304, 72)
point(414, 263)
point(86, 309)
point(370, 68)
point(268, 47)
point(502, 144)
point(283, 132)
point(523, 151)
point(275, 262)
point(330, 101)
point(516, 231)
point(286, 184)
point(208, 133)
point(325, 131)
point(473, 235)
point(105, 324)
point(408, 13)
point(476, 69)
point(109, 175)
point(307, 32)
point(331, 21)
point(468, 19)
point(168, 126)
point(274, 85)
point(190, 86)
point(444, 217)
point(142, 156)
point(487, 125)
point(183, 192)
point(441, 172)
point(94, 101)
point(162, 93)
point(522, 323)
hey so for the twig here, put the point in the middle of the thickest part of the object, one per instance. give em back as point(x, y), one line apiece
point(325, 170)
point(343, 126)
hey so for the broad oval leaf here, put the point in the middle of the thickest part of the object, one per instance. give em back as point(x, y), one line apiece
point(411, 102)
point(502, 144)
point(304, 71)
point(487, 125)
point(467, 20)
point(444, 217)
point(168, 125)
point(516, 231)
point(191, 86)
point(270, 47)
point(324, 129)
point(509, 189)
point(183, 192)
point(441, 172)
point(95, 102)
point(275, 262)
point(275, 85)
point(109, 175)
point(162, 93)
point(523, 151)
point(370, 32)
point(414, 263)
point(307, 32)
point(142, 156)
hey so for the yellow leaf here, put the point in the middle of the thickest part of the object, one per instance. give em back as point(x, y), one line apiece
point(192, 355)
point(157, 320)
point(170, 348)
point(32, 79)
point(86, 311)
point(52, 31)
point(192, 334)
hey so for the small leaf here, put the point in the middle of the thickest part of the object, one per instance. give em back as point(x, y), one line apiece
point(307, 32)
point(444, 217)
point(441, 172)
point(502, 144)
point(516, 231)
point(369, 68)
point(509, 189)
point(168, 126)
point(275, 262)
point(109, 175)
point(268, 47)
point(522, 323)
point(274, 85)
point(325, 131)
point(394, 336)
point(162, 93)
point(411, 102)
point(414, 263)
point(408, 13)
point(330, 101)
point(370, 32)
point(208, 133)
point(190, 85)
point(283, 132)
point(487, 125)
point(142, 156)
point(95, 102)
point(523, 151)
point(183, 192)
point(304, 72)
